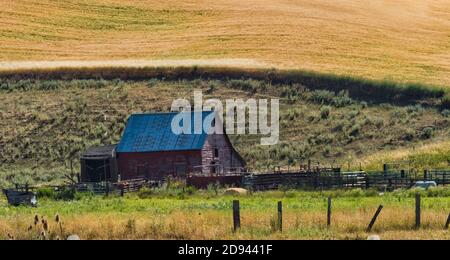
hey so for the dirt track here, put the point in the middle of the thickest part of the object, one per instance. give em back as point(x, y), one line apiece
point(26, 65)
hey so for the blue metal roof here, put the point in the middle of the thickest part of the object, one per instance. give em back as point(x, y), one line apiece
point(153, 133)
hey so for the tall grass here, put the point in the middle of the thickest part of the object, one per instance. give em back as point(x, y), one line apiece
point(205, 215)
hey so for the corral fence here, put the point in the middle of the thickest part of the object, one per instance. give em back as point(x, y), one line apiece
point(316, 179)
point(333, 178)
point(115, 188)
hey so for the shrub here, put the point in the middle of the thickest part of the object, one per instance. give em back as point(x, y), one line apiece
point(379, 122)
point(415, 109)
point(355, 130)
point(325, 112)
point(190, 190)
point(62, 194)
point(144, 193)
point(445, 102)
point(445, 113)
point(152, 82)
point(427, 133)
point(48, 193)
point(408, 135)
point(339, 126)
point(342, 99)
point(322, 96)
point(66, 194)
point(246, 85)
point(212, 86)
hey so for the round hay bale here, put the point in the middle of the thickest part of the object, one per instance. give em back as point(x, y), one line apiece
point(236, 191)
point(73, 237)
point(374, 237)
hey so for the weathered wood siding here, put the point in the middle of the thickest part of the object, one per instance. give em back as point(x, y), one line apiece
point(227, 155)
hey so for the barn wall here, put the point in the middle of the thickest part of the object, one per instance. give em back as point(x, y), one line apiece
point(227, 155)
point(156, 165)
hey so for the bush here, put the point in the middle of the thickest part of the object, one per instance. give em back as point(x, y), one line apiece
point(445, 113)
point(325, 112)
point(48, 193)
point(342, 99)
point(427, 133)
point(415, 109)
point(144, 193)
point(445, 102)
point(63, 194)
point(408, 135)
point(322, 96)
point(190, 190)
point(66, 194)
point(246, 85)
point(355, 130)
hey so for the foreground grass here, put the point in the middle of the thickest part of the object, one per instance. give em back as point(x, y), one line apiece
point(205, 215)
point(345, 37)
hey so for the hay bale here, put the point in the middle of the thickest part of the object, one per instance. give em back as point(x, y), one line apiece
point(374, 237)
point(73, 237)
point(236, 191)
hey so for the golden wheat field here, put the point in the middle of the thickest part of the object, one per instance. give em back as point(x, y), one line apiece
point(401, 40)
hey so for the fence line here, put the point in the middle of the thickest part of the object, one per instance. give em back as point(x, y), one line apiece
point(336, 179)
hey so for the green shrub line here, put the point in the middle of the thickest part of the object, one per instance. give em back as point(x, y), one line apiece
point(375, 90)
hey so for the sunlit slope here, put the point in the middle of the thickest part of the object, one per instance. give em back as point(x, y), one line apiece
point(404, 40)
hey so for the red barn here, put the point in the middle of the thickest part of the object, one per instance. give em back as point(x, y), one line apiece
point(149, 149)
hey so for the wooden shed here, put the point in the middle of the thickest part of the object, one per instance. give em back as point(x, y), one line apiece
point(99, 164)
point(149, 149)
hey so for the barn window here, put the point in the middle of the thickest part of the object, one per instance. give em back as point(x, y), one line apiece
point(216, 153)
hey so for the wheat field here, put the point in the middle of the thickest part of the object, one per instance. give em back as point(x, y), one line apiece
point(401, 40)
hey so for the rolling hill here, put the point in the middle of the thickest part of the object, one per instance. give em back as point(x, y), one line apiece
point(400, 40)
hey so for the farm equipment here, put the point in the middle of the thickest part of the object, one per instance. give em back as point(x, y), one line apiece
point(20, 196)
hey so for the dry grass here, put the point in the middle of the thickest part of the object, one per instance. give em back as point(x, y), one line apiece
point(402, 40)
point(394, 223)
point(422, 156)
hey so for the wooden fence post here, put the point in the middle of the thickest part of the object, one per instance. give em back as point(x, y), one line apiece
point(107, 189)
point(417, 211)
point(122, 191)
point(236, 216)
point(374, 219)
point(448, 222)
point(280, 216)
point(329, 212)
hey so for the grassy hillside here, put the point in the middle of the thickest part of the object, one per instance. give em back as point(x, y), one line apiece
point(46, 124)
point(402, 40)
